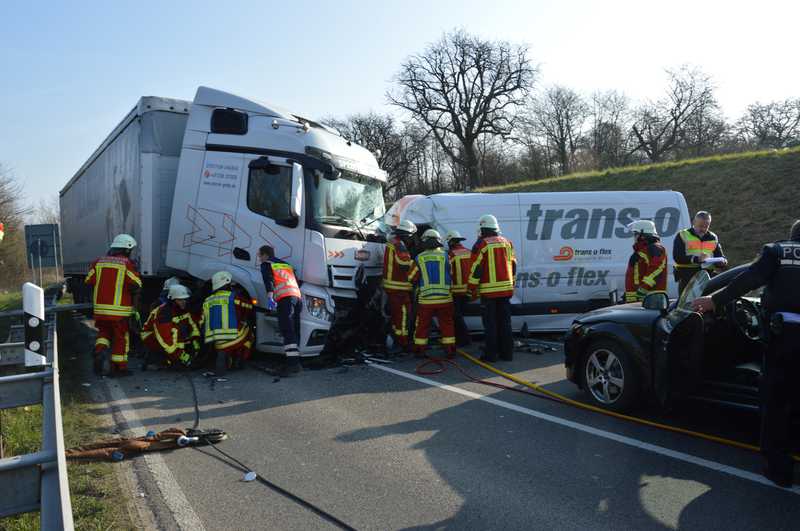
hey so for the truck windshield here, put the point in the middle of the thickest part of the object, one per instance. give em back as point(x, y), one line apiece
point(347, 201)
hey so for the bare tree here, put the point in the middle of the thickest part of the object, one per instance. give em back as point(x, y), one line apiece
point(12, 215)
point(47, 211)
point(771, 125)
point(658, 127)
point(608, 138)
point(558, 116)
point(463, 87)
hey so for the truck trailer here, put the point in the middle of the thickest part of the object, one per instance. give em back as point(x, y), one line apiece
point(202, 185)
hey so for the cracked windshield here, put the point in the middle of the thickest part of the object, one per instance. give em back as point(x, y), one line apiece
point(350, 200)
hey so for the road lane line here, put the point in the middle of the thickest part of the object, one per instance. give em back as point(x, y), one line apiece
point(629, 441)
point(171, 491)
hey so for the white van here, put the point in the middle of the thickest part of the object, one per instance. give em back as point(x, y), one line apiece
point(572, 248)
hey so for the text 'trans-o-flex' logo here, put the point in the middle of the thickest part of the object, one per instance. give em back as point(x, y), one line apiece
point(564, 254)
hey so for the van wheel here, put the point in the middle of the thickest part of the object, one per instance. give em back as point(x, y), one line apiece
point(609, 376)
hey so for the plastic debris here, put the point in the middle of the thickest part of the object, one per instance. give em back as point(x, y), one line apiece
point(250, 476)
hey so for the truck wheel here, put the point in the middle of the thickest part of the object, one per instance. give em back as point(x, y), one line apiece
point(610, 377)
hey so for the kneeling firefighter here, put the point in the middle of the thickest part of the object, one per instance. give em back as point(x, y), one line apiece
point(432, 273)
point(647, 266)
point(171, 331)
point(226, 317)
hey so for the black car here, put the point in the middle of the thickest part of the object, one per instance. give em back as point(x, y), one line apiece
point(660, 352)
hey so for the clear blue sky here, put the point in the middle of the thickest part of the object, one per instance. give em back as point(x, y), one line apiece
point(69, 71)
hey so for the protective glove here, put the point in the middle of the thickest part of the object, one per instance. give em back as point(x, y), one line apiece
point(641, 294)
point(271, 304)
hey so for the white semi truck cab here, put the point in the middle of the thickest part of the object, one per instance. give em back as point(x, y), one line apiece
point(252, 175)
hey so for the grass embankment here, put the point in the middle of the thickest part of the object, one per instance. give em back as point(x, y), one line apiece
point(753, 197)
point(97, 498)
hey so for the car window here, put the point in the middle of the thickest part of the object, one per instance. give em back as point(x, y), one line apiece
point(684, 307)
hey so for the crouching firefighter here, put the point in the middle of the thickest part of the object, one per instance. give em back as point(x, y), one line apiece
point(226, 319)
point(432, 273)
point(396, 266)
point(171, 331)
point(116, 284)
point(777, 268)
point(647, 266)
point(283, 295)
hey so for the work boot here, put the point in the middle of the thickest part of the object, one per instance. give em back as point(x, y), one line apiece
point(104, 362)
point(221, 365)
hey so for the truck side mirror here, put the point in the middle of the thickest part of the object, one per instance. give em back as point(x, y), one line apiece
point(296, 200)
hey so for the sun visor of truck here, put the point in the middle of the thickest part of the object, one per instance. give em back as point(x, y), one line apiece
point(264, 164)
point(229, 122)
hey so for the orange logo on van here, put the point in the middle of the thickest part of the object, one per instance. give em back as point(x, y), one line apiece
point(566, 253)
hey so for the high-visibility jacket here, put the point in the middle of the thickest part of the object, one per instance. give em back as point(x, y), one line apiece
point(173, 330)
point(283, 282)
point(396, 265)
point(689, 248)
point(461, 263)
point(433, 276)
point(493, 267)
point(114, 278)
point(225, 315)
point(647, 271)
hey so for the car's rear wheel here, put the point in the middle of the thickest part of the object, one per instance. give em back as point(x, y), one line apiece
point(610, 378)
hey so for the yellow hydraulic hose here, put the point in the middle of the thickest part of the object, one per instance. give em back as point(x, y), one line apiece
point(589, 407)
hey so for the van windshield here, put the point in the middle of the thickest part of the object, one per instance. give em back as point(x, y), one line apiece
point(347, 201)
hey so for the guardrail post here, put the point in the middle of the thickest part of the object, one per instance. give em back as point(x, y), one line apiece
point(33, 308)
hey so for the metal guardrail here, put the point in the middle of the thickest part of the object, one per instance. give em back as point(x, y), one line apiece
point(36, 481)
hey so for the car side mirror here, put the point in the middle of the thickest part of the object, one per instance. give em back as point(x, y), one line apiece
point(656, 301)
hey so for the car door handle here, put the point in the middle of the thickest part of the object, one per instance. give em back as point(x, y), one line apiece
point(241, 254)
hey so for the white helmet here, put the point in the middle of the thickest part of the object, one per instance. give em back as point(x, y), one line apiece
point(406, 226)
point(454, 235)
point(123, 241)
point(221, 279)
point(643, 226)
point(177, 291)
point(488, 221)
point(432, 234)
point(171, 281)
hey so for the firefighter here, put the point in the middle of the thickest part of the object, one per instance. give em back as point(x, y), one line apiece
point(431, 272)
point(492, 279)
point(460, 262)
point(226, 319)
point(116, 284)
point(172, 331)
point(777, 268)
point(396, 266)
point(647, 266)
point(692, 247)
point(283, 295)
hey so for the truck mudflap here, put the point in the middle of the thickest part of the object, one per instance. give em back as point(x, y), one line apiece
point(360, 324)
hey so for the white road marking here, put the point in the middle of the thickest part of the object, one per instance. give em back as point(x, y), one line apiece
point(171, 491)
point(629, 441)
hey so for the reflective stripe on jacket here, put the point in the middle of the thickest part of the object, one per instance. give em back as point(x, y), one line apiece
point(431, 271)
point(396, 264)
point(284, 281)
point(220, 316)
point(114, 279)
point(461, 263)
point(695, 247)
point(493, 265)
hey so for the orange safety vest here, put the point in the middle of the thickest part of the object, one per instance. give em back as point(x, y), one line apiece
point(284, 281)
point(396, 265)
point(492, 272)
point(113, 278)
point(461, 262)
point(695, 247)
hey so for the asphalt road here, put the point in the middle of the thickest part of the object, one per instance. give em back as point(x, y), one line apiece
point(382, 450)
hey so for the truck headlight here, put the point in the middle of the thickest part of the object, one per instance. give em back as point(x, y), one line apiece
point(316, 308)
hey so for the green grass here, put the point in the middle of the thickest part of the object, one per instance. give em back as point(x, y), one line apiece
point(753, 197)
point(98, 502)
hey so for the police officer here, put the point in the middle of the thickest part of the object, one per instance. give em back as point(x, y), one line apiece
point(492, 278)
point(226, 318)
point(432, 274)
point(396, 266)
point(647, 266)
point(116, 284)
point(694, 246)
point(460, 263)
point(777, 268)
point(283, 295)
